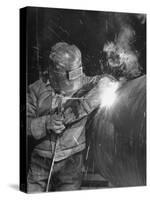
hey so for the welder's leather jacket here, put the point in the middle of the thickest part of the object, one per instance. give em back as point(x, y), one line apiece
point(42, 100)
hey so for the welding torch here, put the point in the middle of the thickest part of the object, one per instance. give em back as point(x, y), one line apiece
point(59, 112)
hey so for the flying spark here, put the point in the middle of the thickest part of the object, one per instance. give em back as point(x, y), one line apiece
point(75, 140)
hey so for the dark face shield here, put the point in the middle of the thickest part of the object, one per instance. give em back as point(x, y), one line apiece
point(67, 82)
point(74, 74)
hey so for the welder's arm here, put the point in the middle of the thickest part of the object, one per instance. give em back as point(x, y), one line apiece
point(77, 109)
point(39, 127)
point(35, 124)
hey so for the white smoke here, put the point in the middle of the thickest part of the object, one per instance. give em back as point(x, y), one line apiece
point(120, 54)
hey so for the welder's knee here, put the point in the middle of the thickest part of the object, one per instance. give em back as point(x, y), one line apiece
point(37, 175)
point(70, 175)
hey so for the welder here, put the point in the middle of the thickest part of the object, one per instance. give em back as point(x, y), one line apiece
point(66, 81)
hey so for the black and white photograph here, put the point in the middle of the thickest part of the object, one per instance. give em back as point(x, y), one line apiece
point(82, 99)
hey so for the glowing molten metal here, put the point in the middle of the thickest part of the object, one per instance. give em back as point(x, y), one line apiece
point(108, 90)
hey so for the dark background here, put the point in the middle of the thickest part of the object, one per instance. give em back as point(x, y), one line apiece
point(88, 30)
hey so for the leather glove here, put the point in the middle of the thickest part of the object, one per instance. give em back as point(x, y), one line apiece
point(69, 116)
point(55, 123)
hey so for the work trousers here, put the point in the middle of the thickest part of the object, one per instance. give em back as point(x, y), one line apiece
point(66, 174)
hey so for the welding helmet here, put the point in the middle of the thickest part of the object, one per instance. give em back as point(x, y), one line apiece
point(65, 68)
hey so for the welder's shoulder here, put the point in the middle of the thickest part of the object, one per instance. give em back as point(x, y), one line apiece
point(39, 86)
point(35, 86)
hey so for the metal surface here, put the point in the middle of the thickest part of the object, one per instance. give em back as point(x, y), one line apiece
point(118, 136)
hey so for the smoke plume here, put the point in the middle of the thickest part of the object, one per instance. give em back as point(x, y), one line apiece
point(121, 57)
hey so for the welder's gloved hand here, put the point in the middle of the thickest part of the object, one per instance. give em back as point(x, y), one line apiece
point(69, 116)
point(74, 111)
point(55, 123)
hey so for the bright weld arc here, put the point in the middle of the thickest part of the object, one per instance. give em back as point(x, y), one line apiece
point(108, 96)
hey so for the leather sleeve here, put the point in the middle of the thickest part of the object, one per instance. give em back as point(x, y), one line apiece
point(35, 124)
point(76, 109)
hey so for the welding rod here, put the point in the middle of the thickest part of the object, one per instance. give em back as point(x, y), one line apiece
point(52, 165)
point(59, 110)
